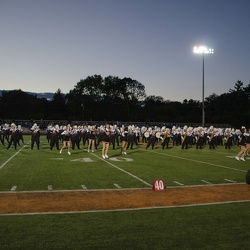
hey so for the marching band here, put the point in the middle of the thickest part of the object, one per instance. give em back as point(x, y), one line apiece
point(73, 136)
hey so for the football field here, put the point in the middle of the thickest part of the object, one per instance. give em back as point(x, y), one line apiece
point(35, 170)
point(47, 172)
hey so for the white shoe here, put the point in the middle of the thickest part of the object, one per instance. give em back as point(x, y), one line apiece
point(106, 156)
point(69, 153)
point(93, 151)
point(124, 153)
point(88, 150)
point(103, 156)
point(242, 158)
point(60, 151)
point(237, 158)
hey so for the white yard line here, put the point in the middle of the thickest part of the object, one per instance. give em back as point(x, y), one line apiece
point(230, 180)
point(14, 188)
point(178, 183)
point(207, 182)
point(122, 189)
point(126, 172)
point(116, 185)
point(128, 209)
point(88, 190)
point(12, 156)
point(84, 187)
point(202, 162)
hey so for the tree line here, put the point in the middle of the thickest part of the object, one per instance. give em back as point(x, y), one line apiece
point(113, 99)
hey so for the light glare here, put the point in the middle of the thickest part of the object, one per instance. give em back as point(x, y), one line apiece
point(203, 50)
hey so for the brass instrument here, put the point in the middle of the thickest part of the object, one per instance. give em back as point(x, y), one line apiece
point(198, 138)
point(165, 136)
point(158, 134)
point(184, 138)
point(211, 138)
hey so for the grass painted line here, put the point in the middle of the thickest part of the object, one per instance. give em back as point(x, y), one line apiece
point(13, 156)
point(80, 190)
point(221, 153)
point(14, 188)
point(126, 172)
point(207, 182)
point(178, 183)
point(208, 185)
point(123, 189)
point(116, 185)
point(196, 161)
point(129, 209)
point(230, 180)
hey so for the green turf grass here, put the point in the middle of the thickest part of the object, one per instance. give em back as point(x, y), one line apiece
point(36, 169)
point(224, 226)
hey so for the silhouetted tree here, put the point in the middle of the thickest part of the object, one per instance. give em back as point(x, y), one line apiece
point(17, 104)
point(57, 107)
point(112, 98)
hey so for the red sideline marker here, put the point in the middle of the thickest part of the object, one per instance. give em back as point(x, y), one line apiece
point(158, 185)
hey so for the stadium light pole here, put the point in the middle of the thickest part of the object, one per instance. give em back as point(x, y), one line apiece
point(203, 50)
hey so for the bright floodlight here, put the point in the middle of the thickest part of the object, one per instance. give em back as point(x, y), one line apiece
point(203, 50)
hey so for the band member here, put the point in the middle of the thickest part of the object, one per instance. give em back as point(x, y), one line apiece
point(124, 141)
point(20, 135)
point(75, 138)
point(199, 136)
point(219, 137)
point(166, 139)
point(84, 135)
point(117, 135)
point(144, 133)
point(35, 136)
point(13, 136)
point(235, 137)
point(184, 138)
point(151, 140)
point(176, 132)
point(247, 143)
point(92, 139)
point(105, 142)
point(228, 136)
point(65, 135)
point(54, 137)
point(137, 135)
point(242, 143)
point(48, 133)
point(211, 138)
point(6, 132)
point(1, 135)
point(112, 137)
point(131, 139)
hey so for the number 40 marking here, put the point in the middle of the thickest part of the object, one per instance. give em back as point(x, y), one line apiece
point(87, 159)
point(84, 160)
point(158, 185)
